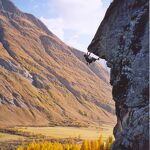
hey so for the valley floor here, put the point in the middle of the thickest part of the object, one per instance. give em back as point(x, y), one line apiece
point(10, 138)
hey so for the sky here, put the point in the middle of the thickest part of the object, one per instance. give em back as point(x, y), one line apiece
point(73, 21)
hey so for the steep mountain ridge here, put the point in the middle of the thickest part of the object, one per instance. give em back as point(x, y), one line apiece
point(45, 82)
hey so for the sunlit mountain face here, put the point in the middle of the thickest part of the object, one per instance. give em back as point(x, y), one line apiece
point(43, 81)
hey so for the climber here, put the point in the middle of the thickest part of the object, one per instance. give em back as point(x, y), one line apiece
point(89, 59)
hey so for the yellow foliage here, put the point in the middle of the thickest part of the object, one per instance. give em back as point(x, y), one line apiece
point(109, 142)
point(86, 145)
point(49, 146)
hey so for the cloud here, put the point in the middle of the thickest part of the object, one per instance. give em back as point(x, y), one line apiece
point(82, 17)
point(56, 25)
point(76, 43)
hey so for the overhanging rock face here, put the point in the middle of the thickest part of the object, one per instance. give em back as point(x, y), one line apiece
point(122, 39)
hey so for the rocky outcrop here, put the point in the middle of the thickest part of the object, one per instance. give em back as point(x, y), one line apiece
point(122, 39)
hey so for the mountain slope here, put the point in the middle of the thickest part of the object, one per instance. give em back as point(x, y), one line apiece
point(45, 82)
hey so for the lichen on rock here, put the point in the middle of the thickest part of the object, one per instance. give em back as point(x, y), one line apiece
point(122, 39)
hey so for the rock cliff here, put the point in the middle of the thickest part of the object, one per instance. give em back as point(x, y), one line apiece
point(122, 39)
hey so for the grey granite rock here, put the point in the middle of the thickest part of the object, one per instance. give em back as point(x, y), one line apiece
point(122, 39)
